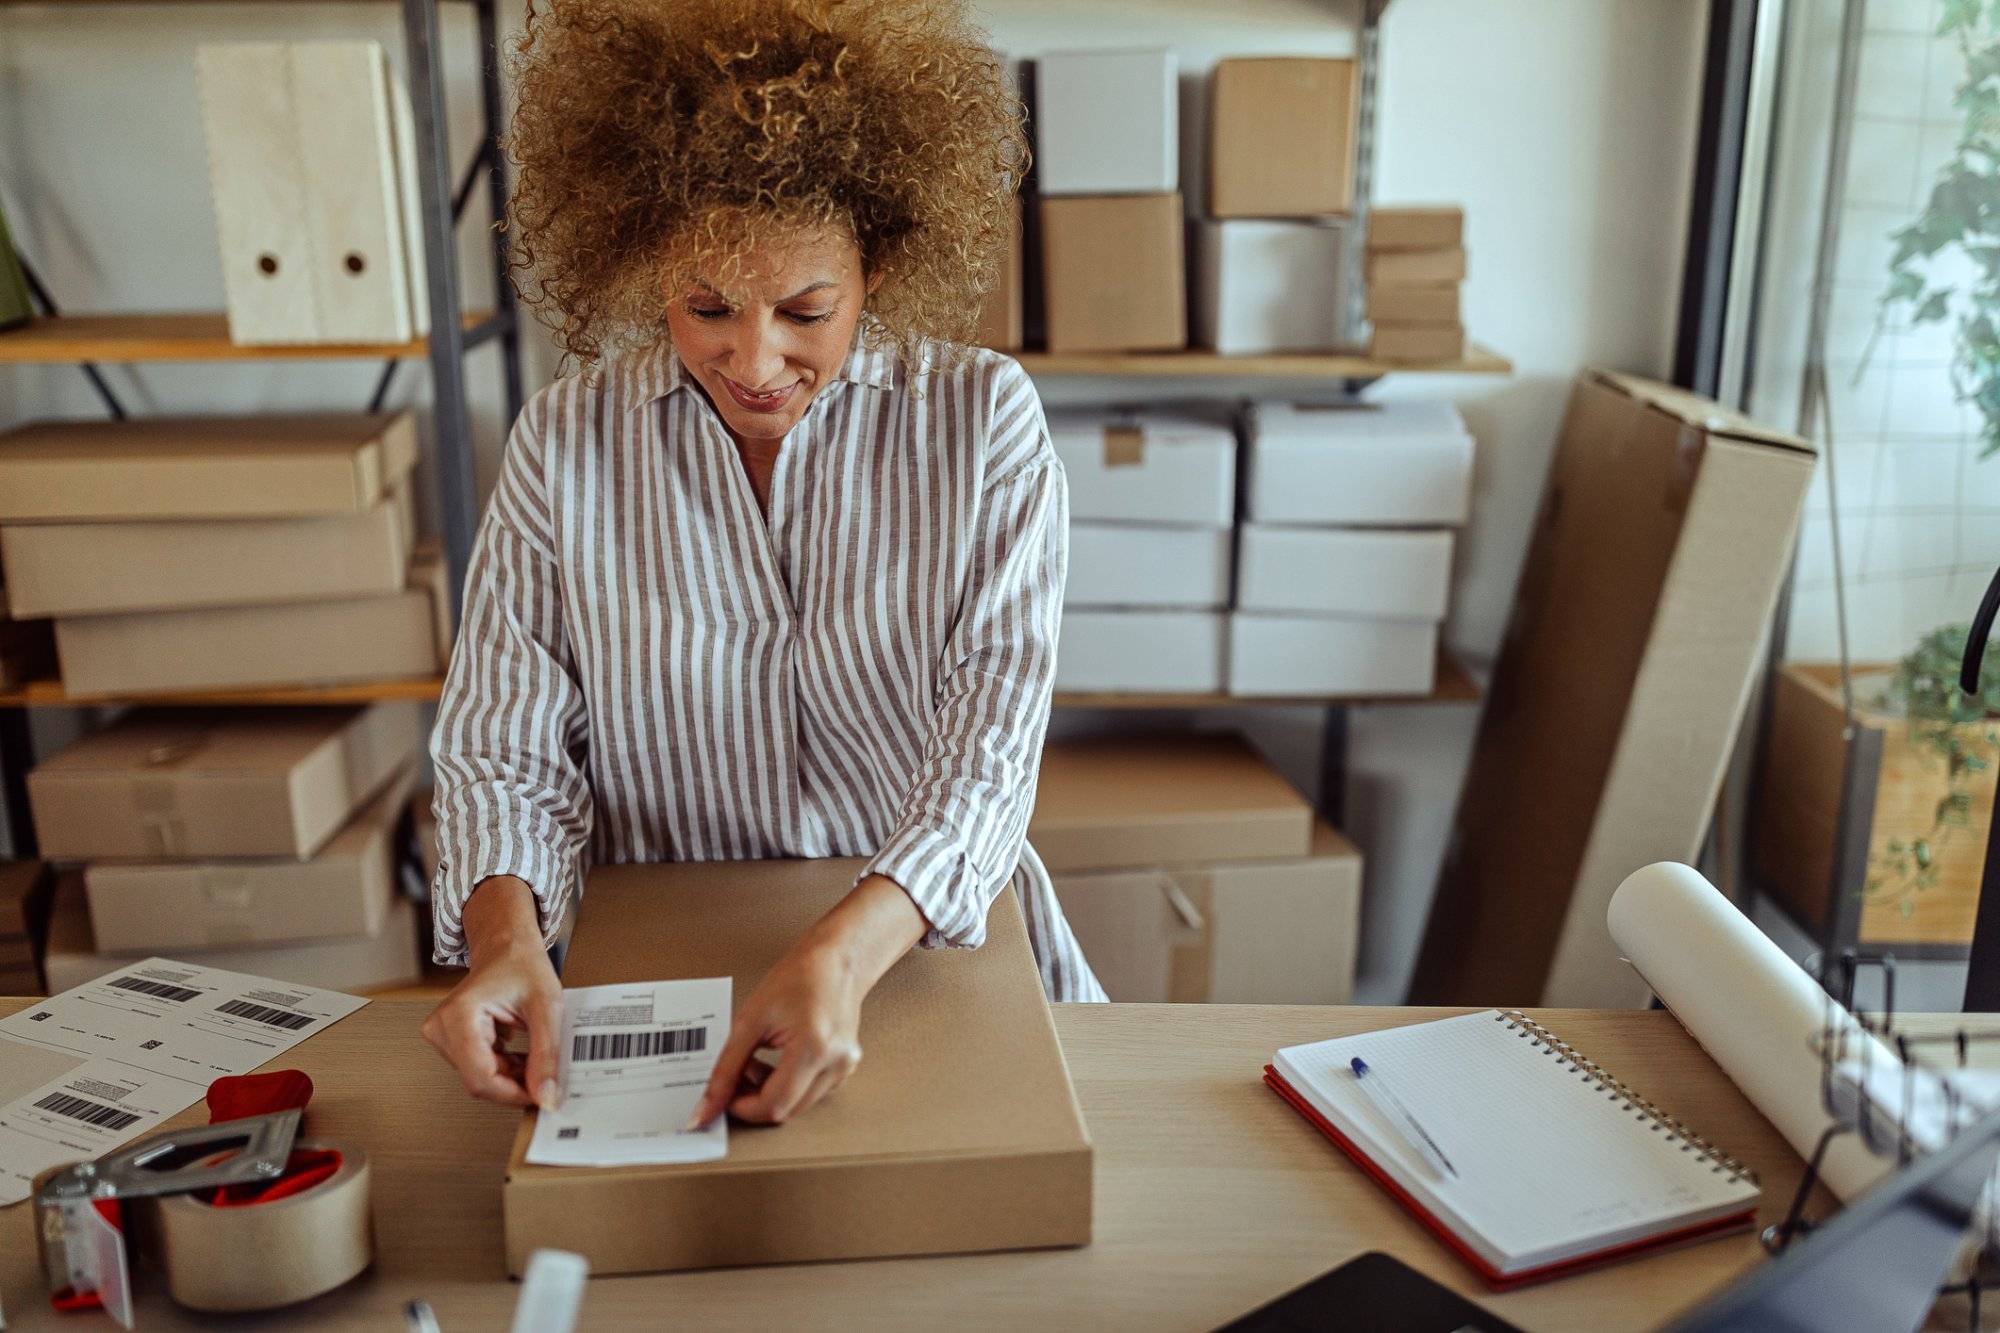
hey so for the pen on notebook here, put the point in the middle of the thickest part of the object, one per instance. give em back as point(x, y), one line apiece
point(1379, 1092)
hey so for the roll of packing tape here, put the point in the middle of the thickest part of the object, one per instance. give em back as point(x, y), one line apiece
point(274, 1252)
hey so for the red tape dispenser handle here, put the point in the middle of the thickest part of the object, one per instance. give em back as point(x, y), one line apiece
point(242, 1095)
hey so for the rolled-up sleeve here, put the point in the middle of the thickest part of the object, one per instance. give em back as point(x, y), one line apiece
point(512, 798)
point(959, 832)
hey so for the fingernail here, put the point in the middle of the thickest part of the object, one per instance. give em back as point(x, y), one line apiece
point(550, 1097)
point(695, 1122)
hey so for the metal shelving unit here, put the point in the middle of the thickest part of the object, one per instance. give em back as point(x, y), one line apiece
point(88, 340)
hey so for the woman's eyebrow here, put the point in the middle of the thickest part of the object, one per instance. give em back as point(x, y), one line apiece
point(808, 290)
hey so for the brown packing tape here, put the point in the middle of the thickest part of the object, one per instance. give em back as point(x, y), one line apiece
point(263, 1256)
point(1124, 446)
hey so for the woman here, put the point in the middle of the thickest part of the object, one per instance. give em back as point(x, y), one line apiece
point(782, 577)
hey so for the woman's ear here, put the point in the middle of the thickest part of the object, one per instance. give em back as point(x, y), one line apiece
point(874, 281)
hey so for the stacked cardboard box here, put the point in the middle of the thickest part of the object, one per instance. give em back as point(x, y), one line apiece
point(257, 840)
point(1268, 274)
point(1346, 555)
point(1108, 172)
point(213, 553)
point(24, 911)
point(1152, 498)
point(1416, 261)
point(1190, 870)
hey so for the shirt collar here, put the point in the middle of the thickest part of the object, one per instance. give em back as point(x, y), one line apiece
point(657, 372)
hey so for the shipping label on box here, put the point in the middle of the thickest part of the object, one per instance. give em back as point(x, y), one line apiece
point(1114, 273)
point(1107, 122)
point(1146, 468)
point(1269, 286)
point(1130, 565)
point(1390, 574)
point(1281, 137)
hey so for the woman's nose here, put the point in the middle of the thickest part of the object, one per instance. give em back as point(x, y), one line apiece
point(756, 357)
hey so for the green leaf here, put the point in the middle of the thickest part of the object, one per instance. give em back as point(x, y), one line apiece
point(1932, 310)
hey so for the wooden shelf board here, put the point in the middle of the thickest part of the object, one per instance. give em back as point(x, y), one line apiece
point(70, 339)
point(50, 694)
point(1453, 685)
point(1478, 360)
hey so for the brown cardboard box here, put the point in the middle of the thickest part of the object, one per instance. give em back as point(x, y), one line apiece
point(1417, 343)
point(1662, 541)
point(958, 1132)
point(74, 569)
point(354, 963)
point(203, 467)
point(344, 890)
point(1414, 303)
point(1115, 803)
point(387, 636)
point(222, 782)
point(1281, 137)
point(1412, 266)
point(1246, 932)
point(1000, 317)
point(1114, 275)
point(26, 889)
point(1421, 227)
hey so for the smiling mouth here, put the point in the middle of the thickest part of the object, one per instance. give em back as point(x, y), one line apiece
point(768, 401)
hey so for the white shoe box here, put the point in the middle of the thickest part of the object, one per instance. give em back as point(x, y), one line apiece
point(1178, 652)
point(1107, 122)
point(1268, 286)
point(1146, 468)
point(1314, 655)
point(1386, 464)
point(1134, 565)
point(1385, 572)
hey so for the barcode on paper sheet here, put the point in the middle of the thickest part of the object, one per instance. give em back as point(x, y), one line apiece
point(178, 994)
point(276, 1018)
point(89, 1112)
point(635, 1045)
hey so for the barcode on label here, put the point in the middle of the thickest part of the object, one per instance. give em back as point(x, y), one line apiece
point(276, 1018)
point(633, 1045)
point(89, 1112)
point(178, 994)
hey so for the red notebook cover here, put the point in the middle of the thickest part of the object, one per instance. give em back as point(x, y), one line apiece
point(1493, 1277)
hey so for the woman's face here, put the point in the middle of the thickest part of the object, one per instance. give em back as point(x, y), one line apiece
point(762, 349)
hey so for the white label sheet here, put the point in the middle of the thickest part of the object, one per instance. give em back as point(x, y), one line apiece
point(634, 1060)
point(142, 1044)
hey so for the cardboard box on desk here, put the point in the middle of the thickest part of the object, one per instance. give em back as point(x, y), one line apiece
point(958, 1132)
point(1114, 278)
point(1281, 137)
point(1116, 802)
point(1400, 463)
point(203, 467)
point(1263, 286)
point(1107, 122)
point(1135, 564)
point(1141, 651)
point(386, 636)
point(344, 890)
point(1645, 598)
point(1228, 932)
point(219, 782)
point(1146, 467)
point(74, 569)
point(349, 963)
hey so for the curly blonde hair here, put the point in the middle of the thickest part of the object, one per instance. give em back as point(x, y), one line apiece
point(659, 142)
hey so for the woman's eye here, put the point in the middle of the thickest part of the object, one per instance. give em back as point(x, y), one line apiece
point(708, 312)
point(797, 318)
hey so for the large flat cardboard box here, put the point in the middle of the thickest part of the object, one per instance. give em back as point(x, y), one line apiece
point(1263, 286)
point(1420, 303)
point(1416, 227)
point(384, 636)
point(1001, 314)
point(1146, 467)
point(78, 569)
point(344, 890)
point(186, 783)
point(958, 1132)
point(1388, 464)
point(352, 963)
point(1139, 651)
point(203, 467)
point(1117, 803)
point(1241, 932)
point(1280, 656)
point(1663, 538)
point(1113, 273)
point(1135, 564)
point(1107, 122)
point(1393, 573)
point(1281, 137)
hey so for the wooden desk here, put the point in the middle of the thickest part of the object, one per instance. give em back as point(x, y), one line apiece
point(1212, 1195)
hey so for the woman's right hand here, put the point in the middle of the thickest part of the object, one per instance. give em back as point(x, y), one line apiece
point(511, 987)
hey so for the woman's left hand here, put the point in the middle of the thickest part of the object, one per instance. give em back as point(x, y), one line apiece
point(808, 1010)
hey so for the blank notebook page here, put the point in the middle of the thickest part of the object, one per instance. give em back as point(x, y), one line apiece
point(1551, 1163)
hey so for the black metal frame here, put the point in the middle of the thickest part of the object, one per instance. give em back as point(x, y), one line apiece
point(448, 342)
point(1718, 189)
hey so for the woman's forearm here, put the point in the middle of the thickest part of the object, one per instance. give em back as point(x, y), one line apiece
point(869, 929)
point(500, 915)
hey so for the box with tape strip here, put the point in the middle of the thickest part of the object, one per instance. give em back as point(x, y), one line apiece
point(958, 1132)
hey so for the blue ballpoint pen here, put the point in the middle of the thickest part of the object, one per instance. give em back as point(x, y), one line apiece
point(1384, 1097)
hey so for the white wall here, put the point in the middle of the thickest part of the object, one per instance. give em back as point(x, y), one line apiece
point(1565, 127)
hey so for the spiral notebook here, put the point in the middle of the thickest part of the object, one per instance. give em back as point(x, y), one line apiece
point(1558, 1165)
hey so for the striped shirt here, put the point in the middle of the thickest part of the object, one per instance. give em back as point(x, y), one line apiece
point(650, 669)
